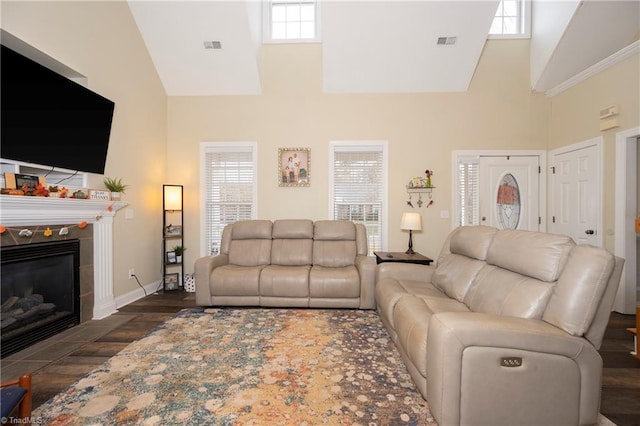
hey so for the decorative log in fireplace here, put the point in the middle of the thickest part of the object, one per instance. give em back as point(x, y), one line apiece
point(40, 292)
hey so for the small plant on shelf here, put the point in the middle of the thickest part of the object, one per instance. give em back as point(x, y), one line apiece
point(115, 184)
point(179, 251)
point(116, 187)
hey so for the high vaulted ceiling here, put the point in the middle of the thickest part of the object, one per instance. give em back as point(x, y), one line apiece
point(377, 46)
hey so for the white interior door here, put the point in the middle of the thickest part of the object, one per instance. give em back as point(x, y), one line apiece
point(575, 192)
point(510, 192)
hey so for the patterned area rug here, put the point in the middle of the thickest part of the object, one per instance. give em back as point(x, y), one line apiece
point(250, 367)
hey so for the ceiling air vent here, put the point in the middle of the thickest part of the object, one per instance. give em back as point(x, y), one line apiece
point(212, 45)
point(447, 41)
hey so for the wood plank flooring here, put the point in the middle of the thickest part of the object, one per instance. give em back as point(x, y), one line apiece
point(63, 359)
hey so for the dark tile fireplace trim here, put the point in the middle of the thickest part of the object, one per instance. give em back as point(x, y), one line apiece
point(11, 237)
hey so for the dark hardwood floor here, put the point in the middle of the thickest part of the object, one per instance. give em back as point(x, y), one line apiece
point(63, 359)
point(621, 375)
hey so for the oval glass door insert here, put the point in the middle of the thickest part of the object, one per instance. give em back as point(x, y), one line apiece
point(508, 202)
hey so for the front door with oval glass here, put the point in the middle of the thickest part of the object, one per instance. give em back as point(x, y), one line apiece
point(509, 192)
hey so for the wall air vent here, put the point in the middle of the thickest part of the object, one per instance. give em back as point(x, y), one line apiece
point(446, 41)
point(212, 45)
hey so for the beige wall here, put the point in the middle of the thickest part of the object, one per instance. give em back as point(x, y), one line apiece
point(497, 112)
point(156, 140)
point(100, 40)
point(575, 118)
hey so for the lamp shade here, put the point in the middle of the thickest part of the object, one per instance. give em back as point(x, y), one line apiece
point(172, 197)
point(411, 222)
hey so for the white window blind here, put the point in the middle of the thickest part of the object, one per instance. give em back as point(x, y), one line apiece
point(359, 188)
point(229, 189)
point(468, 184)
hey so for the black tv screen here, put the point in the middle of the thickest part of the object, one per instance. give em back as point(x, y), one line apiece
point(50, 120)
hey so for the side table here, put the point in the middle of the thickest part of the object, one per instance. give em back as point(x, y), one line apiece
point(401, 257)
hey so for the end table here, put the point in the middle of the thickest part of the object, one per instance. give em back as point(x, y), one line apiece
point(401, 257)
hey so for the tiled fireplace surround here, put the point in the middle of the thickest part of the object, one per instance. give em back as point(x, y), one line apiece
point(96, 240)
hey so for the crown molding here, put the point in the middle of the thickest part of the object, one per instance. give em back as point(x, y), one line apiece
point(595, 69)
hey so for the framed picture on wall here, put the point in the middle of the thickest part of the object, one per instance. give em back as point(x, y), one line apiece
point(294, 166)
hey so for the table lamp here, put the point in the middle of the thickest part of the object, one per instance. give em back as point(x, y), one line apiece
point(411, 222)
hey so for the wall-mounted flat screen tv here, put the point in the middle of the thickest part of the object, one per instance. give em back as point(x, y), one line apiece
point(50, 120)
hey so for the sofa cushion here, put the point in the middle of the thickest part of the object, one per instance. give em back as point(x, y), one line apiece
point(535, 254)
point(334, 282)
point(334, 230)
point(411, 317)
point(284, 281)
point(577, 295)
point(292, 229)
point(292, 242)
point(249, 252)
point(288, 252)
point(234, 280)
point(455, 274)
point(251, 230)
point(472, 241)
point(334, 243)
point(250, 243)
point(503, 292)
point(390, 290)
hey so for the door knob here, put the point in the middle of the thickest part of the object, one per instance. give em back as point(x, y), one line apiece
point(589, 232)
point(484, 218)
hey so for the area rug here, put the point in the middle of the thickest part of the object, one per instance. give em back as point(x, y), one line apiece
point(249, 367)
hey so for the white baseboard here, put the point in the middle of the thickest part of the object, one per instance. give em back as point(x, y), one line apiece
point(136, 294)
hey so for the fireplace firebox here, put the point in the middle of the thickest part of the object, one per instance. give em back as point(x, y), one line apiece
point(40, 292)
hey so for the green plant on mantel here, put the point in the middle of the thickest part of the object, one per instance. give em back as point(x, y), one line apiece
point(114, 184)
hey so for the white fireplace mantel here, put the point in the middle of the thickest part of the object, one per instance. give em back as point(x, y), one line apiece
point(33, 211)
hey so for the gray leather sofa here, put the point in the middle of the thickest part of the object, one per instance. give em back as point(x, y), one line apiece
point(504, 329)
point(289, 263)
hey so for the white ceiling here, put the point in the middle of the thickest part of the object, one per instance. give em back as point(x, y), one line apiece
point(393, 48)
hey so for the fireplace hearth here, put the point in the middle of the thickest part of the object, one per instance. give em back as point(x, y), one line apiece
point(40, 292)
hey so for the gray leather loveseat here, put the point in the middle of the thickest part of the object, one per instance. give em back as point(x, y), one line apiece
point(289, 263)
point(504, 329)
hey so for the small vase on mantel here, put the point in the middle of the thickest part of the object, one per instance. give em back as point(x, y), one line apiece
point(116, 196)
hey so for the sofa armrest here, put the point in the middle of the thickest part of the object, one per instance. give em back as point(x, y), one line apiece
point(463, 347)
point(405, 271)
point(366, 267)
point(203, 268)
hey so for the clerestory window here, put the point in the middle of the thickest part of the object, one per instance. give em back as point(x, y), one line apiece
point(512, 20)
point(291, 21)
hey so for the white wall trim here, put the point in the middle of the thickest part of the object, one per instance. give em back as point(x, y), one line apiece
point(597, 68)
point(137, 294)
point(626, 169)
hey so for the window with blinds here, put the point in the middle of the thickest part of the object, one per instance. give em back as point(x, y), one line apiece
point(468, 185)
point(229, 188)
point(358, 187)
